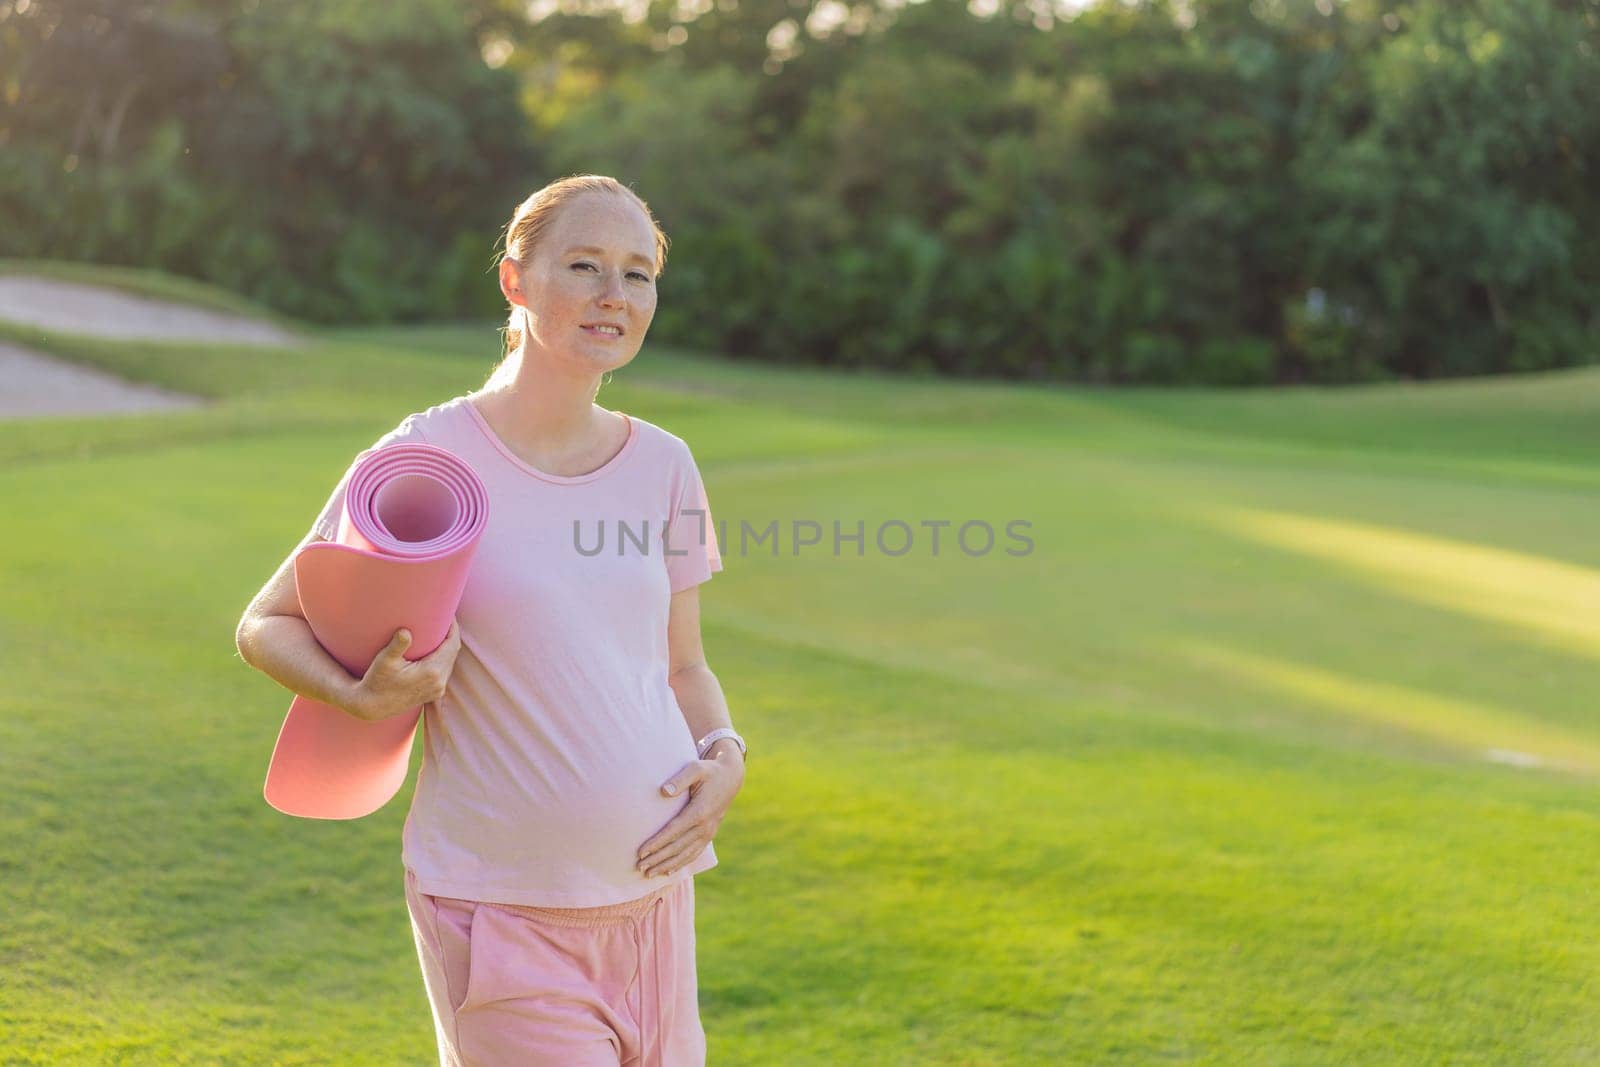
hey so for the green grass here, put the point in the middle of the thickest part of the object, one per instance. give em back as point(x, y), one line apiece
point(1202, 779)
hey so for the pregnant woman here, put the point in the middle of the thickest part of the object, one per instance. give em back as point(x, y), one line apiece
point(578, 752)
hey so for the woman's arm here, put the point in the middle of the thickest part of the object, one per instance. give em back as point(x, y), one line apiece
point(699, 694)
point(275, 639)
point(712, 783)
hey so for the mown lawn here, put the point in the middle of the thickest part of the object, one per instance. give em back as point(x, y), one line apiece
point(1279, 747)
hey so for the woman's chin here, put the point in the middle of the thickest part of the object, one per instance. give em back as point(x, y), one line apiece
point(610, 361)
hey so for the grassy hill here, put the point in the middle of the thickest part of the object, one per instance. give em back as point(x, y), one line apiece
point(1278, 747)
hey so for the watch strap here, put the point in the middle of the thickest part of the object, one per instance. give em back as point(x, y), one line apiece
point(716, 735)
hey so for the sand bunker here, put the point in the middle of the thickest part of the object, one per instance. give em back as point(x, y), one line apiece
point(69, 307)
point(34, 385)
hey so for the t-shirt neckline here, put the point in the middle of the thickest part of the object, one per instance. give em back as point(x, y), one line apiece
point(557, 479)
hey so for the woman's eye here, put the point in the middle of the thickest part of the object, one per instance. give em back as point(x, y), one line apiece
point(641, 275)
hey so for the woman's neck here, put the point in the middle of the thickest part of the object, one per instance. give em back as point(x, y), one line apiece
point(554, 425)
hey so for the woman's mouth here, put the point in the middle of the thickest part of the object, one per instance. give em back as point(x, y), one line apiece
point(609, 333)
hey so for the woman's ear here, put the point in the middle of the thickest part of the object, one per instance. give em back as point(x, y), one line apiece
point(511, 281)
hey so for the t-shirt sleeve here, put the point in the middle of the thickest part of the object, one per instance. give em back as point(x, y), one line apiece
point(691, 545)
point(327, 522)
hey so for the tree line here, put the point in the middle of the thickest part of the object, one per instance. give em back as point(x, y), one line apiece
point(1207, 191)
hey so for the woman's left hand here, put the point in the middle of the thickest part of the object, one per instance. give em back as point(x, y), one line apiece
point(712, 784)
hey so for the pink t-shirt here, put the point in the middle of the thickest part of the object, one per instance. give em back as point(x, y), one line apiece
point(542, 766)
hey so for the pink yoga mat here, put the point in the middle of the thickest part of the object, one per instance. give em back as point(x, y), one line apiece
point(413, 515)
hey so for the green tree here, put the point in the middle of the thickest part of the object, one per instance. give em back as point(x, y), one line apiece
point(1453, 232)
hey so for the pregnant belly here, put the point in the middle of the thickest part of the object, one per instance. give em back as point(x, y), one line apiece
point(559, 827)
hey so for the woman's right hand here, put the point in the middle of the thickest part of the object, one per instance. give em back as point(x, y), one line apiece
point(394, 685)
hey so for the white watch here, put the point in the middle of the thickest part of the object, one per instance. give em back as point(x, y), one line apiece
point(705, 743)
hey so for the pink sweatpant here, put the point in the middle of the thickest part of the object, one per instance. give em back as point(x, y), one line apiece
point(515, 986)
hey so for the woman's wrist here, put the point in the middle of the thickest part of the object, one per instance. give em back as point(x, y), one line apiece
point(353, 700)
point(724, 746)
point(705, 744)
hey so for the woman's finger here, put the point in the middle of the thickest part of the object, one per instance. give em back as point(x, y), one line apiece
point(686, 849)
point(687, 824)
point(663, 838)
point(703, 812)
point(669, 838)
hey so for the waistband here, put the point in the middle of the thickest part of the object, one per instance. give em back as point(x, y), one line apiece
point(605, 915)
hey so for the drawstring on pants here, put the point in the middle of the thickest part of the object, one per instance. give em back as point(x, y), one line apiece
point(649, 1027)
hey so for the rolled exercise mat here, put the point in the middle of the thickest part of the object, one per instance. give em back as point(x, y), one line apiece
point(413, 515)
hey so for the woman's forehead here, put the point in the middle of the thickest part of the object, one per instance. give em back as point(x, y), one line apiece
point(595, 225)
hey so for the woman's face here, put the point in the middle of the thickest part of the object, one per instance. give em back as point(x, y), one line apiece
point(594, 264)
